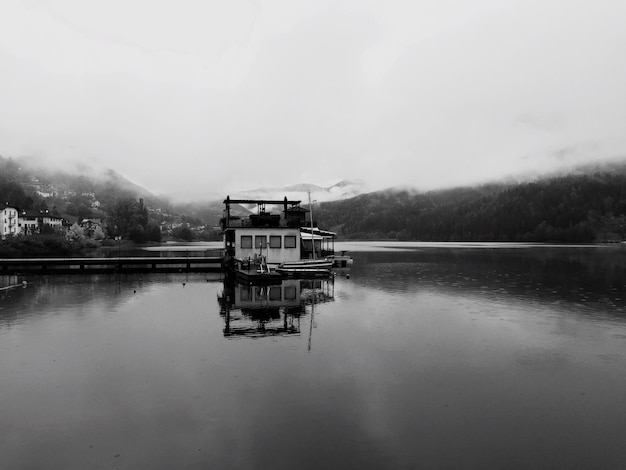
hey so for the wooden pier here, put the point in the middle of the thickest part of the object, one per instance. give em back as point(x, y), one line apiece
point(200, 264)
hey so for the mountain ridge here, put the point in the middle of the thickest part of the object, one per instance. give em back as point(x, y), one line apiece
point(584, 205)
point(563, 200)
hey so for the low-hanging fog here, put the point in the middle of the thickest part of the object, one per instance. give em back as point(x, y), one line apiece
point(194, 98)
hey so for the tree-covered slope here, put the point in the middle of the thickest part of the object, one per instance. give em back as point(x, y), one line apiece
point(124, 208)
point(575, 208)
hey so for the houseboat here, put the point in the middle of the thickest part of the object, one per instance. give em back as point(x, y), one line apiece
point(275, 238)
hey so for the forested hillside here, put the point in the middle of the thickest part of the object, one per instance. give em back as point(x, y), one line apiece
point(587, 205)
point(574, 208)
point(125, 209)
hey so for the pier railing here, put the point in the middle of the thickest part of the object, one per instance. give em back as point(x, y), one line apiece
point(253, 222)
point(104, 265)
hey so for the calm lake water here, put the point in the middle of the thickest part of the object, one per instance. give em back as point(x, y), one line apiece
point(423, 356)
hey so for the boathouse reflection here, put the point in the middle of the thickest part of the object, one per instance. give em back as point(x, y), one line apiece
point(271, 310)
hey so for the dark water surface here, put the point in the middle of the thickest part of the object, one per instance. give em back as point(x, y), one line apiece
point(426, 356)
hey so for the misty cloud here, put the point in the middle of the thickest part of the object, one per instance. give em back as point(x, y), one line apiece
point(202, 98)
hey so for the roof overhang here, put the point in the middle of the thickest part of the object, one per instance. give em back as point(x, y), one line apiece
point(317, 231)
point(308, 236)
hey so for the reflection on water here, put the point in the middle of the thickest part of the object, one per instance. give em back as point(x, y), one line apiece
point(266, 310)
point(424, 357)
point(571, 277)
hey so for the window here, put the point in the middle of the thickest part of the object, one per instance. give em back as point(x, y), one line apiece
point(246, 293)
point(260, 293)
point(290, 241)
point(275, 293)
point(246, 241)
point(260, 241)
point(275, 241)
point(290, 292)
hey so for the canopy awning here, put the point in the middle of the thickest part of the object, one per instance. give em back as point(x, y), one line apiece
point(308, 236)
point(317, 231)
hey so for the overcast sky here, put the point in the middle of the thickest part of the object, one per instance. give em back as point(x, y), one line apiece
point(198, 97)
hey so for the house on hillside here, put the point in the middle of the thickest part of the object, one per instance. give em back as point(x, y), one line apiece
point(91, 227)
point(9, 224)
point(29, 224)
point(36, 222)
point(51, 220)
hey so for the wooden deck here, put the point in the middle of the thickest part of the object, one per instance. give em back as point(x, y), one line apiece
point(251, 276)
point(104, 265)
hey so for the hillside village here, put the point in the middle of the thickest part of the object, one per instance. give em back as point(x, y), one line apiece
point(34, 201)
point(16, 222)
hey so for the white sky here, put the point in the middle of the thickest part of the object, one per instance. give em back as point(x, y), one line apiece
point(198, 97)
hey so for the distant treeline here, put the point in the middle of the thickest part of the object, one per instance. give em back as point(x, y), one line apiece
point(575, 208)
point(109, 198)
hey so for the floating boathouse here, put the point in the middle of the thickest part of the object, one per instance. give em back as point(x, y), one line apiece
point(280, 237)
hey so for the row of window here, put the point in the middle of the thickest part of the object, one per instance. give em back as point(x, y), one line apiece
point(268, 293)
point(275, 241)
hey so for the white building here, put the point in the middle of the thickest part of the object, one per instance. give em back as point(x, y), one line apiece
point(9, 224)
point(30, 224)
point(51, 220)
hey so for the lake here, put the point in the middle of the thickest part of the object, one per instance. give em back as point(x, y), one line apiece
point(420, 355)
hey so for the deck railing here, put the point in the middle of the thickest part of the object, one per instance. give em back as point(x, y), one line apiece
point(103, 265)
point(251, 223)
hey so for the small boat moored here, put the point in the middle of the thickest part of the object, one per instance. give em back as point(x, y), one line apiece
point(306, 267)
point(341, 261)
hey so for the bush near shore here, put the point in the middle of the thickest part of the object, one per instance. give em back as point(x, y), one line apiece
point(36, 246)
